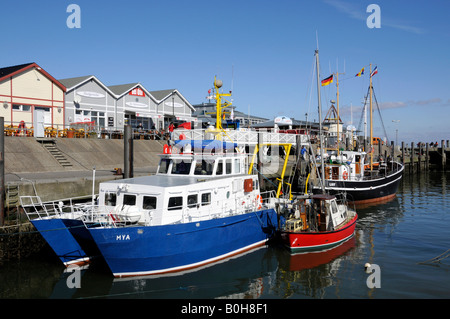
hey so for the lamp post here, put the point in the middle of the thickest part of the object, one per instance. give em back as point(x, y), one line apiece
point(396, 131)
point(173, 105)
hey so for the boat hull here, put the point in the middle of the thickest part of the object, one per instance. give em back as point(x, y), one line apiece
point(366, 191)
point(59, 237)
point(154, 250)
point(316, 241)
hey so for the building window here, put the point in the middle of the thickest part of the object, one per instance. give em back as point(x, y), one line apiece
point(99, 118)
point(21, 107)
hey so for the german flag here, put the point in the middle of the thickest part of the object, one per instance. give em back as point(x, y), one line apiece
point(328, 80)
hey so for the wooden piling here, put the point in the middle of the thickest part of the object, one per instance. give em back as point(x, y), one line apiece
point(419, 157)
point(2, 171)
point(403, 154)
point(128, 152)
point(444, 160)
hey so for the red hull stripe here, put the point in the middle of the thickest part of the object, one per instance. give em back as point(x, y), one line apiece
point(320, 240)
point(374, 200)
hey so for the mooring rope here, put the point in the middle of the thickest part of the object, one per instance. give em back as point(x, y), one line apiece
point(437, 258)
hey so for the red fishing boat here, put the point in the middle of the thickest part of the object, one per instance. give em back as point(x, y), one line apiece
point(317, 222)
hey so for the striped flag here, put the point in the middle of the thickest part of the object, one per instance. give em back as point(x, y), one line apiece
point(375, 71)
point(327, 81)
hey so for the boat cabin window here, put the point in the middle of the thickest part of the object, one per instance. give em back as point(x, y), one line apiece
point(182, 167)
point(206, 199)
point(175, 203)
point(219, 169)
point(335, 173)
point(192, 201)
point(334, 208)
point(237, 166)
point(129, 199)
point(149, 202)
point(255, 184)
point(110, 199)
point(228, 166)
point(164, 166)
point(203, 168)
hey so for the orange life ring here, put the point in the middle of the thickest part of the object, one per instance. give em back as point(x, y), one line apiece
point(258, 201)
point(182, 136)
point(345, 175)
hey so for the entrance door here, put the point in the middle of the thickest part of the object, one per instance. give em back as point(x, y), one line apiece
point(38, 122)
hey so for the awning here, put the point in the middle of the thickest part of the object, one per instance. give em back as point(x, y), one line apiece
point(206, 144)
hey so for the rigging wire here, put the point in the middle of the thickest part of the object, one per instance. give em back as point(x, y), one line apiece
point(381, 118)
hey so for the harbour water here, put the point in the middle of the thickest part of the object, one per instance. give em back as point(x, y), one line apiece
point(399, 236)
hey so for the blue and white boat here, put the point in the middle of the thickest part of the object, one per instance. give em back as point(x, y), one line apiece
point(199, 208)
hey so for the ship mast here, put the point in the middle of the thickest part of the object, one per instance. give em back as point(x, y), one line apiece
point(320, 121)
point(337, 105)
point(371, 119)
point(219, 107)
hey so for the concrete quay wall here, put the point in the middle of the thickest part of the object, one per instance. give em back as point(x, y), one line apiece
point(27, 155)
point(28, 163)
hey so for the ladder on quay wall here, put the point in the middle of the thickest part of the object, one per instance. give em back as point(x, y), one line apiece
point(52, 148)
point(12, 196)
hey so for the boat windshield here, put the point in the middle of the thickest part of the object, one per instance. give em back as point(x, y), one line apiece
point(164, 166)
point(181, 167)
point(204, 167)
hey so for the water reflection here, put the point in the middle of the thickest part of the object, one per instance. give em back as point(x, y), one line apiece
point(239, 277)
point(308, 274)
point(265, 272)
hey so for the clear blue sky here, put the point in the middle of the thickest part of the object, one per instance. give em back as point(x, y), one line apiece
point(263, 50)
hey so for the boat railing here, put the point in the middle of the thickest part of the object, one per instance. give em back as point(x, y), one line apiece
point(268, 197)
point(342, 198)
point(242, 136)
point(34, 208)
